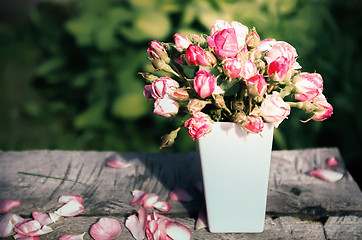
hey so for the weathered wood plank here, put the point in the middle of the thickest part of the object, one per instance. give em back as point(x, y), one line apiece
point(344, 228)
point(279, 228)
point(107, 190)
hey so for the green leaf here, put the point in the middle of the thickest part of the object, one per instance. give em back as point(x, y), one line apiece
point(130, 106)
point(190, 71)
point(230, 87)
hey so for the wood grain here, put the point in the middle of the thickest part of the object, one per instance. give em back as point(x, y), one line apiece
point(298, 205)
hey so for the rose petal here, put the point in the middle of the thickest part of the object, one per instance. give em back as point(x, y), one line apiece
point(162, 206)
point(105, 229)
point(23, 237)
point(72, 237)
point(149, 200)
point(28, 228)
point(68, 198)
point(8, 204)
point(179, 194)
point(137, 225)
point(8, 222)
point(327, 175)
point(177, 231)
point(54, 216)
point(138, 196)
point(118, 164)
point(332, 162)
point(70, 209)
point(32, 228)
point(201, 221)
point(42, 218)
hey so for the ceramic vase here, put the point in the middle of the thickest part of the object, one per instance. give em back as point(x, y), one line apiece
point(235, 167)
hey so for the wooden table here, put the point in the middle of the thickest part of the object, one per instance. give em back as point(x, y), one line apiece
point(298, 207)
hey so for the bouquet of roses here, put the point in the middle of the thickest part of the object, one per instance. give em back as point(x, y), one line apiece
point(230, 75)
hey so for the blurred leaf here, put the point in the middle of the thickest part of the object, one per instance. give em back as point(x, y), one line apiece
point(130, 106)
point(106, 39)
point(83, 28)
point(148, 24)
point(92, 117)
point(50, 65)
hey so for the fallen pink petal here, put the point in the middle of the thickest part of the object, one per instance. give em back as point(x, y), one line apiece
point(42, 218)
point(179, 194)
point(162, 206)
point(70, 209)
point(149, 200)
point(23, 237)
point(138, 196)
point(118, 164)
point(72, 237)
point(137, 225)
point(32, 228)
point(68, 198)
point(177, 231)
point(105, 229)
point(332, 162)
point(327, 175)
point(8, 204)
point(201, 221)
point(54, 216)
point(8, 222)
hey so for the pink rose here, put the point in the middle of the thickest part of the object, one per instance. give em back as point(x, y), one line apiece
point(204, 83)
point(279, 68)
point(162, 87)
point(274, 109)
point(181, 42)
point(248, 69)
point(325, 110)
point(307, 86)
point(232, 68)
point(196, 55)
point(254, 124)
point(241, 31)
point(166, 107)
point(198, 125)
point(283, 49)
point(148, 92)
point(224, 43)
point(266, 45)
point(256, 85)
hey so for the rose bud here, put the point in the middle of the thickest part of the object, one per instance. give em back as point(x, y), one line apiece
point(224, 43)
point(198, 125)
point(156, 50)
point(254, 124)
point(220, 102)
point(204, 83)
point(325, 109)
point(196, 105)
point(307, 86)
point(164, 87)
point(232, 68)
point(181, 94)
point(274, 109)
point(196, 55)
point(253, 39)
point(148, 77)
point(181, 42)
point(166, 107)
point(169, 139)
point(256, 86)
point(248, 69)
point(278, 69)
point(240, 118)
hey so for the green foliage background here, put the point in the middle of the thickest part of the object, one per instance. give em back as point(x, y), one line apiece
point(69, 70)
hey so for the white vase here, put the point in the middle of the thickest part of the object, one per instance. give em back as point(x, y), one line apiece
point(235, 167)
